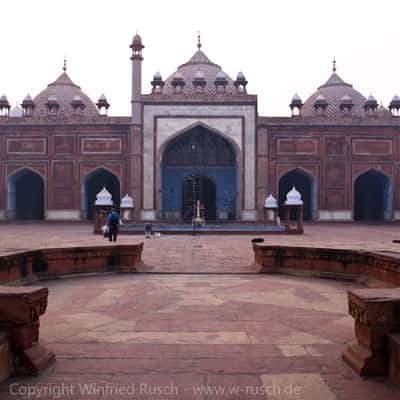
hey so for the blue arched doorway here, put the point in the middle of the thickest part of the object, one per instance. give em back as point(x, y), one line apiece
point(372, 197)
point(93, 183)
point(305, 185)
point(199, 164)
point(25, 195)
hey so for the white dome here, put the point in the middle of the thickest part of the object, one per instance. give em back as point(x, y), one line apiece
point(296, 97)
point(157, 76)
point(103, 198)
point(221, 75)
point(270, 202)
point(127, 202)
point(293, 198)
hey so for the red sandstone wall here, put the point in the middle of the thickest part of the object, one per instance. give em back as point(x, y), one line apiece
point(63, 155)
point(334, 155)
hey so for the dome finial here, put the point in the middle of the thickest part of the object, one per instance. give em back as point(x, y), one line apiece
point(65, 64)
point(334, 65)
point(198, 40)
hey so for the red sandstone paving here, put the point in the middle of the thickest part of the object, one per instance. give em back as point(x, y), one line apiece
point(308, 320)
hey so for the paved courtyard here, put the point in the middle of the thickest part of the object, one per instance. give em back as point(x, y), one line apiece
point(198, 336)
point(202, 253)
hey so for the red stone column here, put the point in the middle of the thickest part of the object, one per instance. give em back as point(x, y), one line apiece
point(376, 313)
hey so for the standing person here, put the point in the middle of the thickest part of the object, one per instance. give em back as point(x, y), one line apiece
point(113, 221)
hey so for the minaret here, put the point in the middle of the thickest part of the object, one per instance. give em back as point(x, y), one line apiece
point(137, 59)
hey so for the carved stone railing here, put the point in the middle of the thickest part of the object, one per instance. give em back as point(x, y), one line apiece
point(376, 313)
point(20, 310)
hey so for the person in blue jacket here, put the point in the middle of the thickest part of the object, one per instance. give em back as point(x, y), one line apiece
point(113, 222)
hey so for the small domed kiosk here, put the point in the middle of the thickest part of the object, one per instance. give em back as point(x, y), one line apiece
point(126, 207)
point(102, 206)
point(294, 202)
point(271, 210)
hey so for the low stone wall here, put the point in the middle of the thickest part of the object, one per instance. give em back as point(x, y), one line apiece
point(376, 312)
point(329, 262)
point(49, 263)
point(21, 306)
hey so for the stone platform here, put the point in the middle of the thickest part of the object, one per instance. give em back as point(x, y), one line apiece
point(205, 332)
point(197, 336)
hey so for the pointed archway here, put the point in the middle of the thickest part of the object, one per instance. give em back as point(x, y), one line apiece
point(25, 195)
point(93, 183)
point(372, 197)
point(208, 161)
point(305, 185)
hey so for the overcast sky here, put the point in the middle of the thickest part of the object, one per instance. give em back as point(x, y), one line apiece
point(283, 47)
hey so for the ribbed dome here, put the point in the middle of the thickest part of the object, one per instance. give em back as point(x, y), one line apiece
point(64, 91)
point(334, 90)
point(188, 71)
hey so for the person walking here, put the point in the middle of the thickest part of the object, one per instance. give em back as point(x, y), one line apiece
point(113, 222)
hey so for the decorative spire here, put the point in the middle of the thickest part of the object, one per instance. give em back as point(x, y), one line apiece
point(65, 64)
point(198, 40)
point(334, 65)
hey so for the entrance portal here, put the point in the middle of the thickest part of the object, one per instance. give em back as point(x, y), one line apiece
point(26, 195)
point(199, 165)
point(372, 197)
point(198, 188)
point(93, 183)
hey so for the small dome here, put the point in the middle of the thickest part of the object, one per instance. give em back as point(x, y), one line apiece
point(296, 97)
point(371, 98)
point(137, 39)
point(240, 76)
point(4, 100)
point(127, 202)
point(320, 97)
point(28, 98)
point(157, 76)
point(293, 198)
point(395, 98)
point(16, 112)
point(270, 202)
point(77, 98)
point(102, 97)
point(220, 75)
point(104, 198)
point(178, 75)
point(199, 75)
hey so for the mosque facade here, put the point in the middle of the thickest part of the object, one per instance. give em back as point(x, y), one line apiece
point(197, 136)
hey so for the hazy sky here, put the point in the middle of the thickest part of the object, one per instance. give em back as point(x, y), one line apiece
point(283, 47)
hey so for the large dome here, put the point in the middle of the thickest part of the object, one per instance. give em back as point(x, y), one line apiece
point(333, 91)
point(63, 91)
point(209, 70)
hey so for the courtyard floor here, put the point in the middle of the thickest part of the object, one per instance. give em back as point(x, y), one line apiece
point(186, 335)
